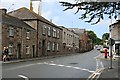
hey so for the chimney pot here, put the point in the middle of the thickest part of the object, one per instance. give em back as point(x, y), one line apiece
point(3, 11)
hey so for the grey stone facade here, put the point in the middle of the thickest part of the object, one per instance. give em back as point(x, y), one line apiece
point(70, 41)
point(49, 36)
point(18, 37)
point(115, 34)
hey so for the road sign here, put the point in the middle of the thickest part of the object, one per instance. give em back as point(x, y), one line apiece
point(111, 42)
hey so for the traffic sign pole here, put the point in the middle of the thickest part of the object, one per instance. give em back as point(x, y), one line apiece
point(111, 43)
point(110, 57)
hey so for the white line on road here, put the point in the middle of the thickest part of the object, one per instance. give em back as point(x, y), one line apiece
point(60, 65)
point(68, 66)
point(52, 64)
point(22, 76)
point(98, 62)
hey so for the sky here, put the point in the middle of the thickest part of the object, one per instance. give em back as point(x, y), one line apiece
point(52, 10)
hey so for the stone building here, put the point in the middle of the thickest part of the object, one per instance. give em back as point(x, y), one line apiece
point(70, 41)
point(49, 36)
point(18, 36)
point(115, 34)
point(85, 44)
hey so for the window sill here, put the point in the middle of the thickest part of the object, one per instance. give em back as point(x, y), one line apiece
point(48, 50)
point(11, 36)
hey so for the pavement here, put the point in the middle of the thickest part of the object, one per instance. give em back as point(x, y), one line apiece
point(111, 72)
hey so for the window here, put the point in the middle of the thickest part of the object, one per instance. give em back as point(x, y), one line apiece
point(28, 35)
point(64, 35)
point(48, 31)
point(57, 47)
point(27, 50)
point(10, 49)
point(11, 31)
point(44, 29)
point(48, 46)
point(54, 32)
point(53, 46)
point(58, 34)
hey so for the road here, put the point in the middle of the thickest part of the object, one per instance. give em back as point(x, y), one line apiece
point(71, 66)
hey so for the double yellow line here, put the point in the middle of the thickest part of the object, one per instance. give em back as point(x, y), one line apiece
point(96, 74)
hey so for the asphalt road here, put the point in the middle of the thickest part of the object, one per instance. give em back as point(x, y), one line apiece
point(71, 66)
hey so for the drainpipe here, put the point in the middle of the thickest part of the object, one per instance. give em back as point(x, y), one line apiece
point(37, 45)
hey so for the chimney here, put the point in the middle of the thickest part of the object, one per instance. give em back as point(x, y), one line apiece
point(35, 6)
point(3, 11)
point(50, 20)
point(31, 7)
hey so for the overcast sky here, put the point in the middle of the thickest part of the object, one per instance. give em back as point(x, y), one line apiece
point(52, 9)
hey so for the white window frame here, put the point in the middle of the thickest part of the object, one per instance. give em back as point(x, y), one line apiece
point(49, 33)
point(57, 46)
point(48, 45)
point(11, 31)
point(53, 46)
point(54, 32)
point(27, 49)
point(44, 29)
point(58, 34)
point(27, 35)
point(10, 49)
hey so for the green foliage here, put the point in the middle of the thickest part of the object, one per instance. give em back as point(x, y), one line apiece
point(98, 41)
point(94, 11)
point(105, 36)
point(94, 38)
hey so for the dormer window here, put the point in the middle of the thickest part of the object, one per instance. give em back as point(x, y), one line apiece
point(11, 31)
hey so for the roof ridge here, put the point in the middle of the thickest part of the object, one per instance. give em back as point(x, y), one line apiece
point(37, 16)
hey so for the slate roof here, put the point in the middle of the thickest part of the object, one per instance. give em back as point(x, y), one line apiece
point(77, 30)
point(117, 22)
point(10, 20)
point(25, 14)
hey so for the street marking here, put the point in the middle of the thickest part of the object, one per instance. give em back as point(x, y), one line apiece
point(52, 64)
point(60, 65)
point(102, 64)
point(96, 74)
point(68, 66)
point(22, 76)
point(76, 67)
point(45, 63)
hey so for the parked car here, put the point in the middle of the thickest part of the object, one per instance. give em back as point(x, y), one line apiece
point(99, 47)
point(103, 50)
